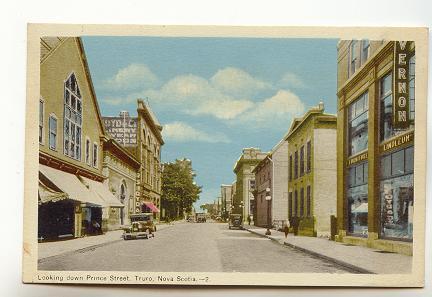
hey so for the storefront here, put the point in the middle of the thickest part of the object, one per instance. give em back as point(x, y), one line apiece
point(375, 204)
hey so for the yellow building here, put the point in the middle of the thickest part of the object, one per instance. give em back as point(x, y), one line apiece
point(376, 83)
point(72, 197)
point(312, 172)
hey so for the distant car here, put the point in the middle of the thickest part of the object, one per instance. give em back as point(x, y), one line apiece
point(235, 221)
point(190, 219)
point(201, 218)
point(142, 226)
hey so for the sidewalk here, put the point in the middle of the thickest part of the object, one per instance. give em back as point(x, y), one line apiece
point(357, 258)
point(55, 248)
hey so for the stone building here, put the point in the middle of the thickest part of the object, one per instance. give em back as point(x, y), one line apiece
point(142, 137)
point(73, 200)
point(245, 181)
point(272, 173)
point(121, 168)
point(376, 111)
point(312, 171)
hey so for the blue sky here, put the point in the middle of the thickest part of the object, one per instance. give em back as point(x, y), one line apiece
point(214, 96)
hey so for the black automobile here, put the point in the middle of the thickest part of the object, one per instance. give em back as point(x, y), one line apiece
point(235, 221)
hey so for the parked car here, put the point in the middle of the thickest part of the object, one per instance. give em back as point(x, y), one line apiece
point(201, 218)
point(235, 221)
point(142, 226)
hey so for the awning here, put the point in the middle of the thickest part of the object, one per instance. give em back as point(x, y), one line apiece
point(47, 194)
point(70, 185)
point(152, 207)
point(103, 192)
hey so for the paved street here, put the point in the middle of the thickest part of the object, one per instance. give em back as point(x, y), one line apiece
point(197, 247)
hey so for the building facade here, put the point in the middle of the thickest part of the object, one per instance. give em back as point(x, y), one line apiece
point(376, 96)
point(226, 195)
point(73, 200)
point(245, 181)
point(263, 187)
point(121, 168)
point(312, 171)
point(141, 136)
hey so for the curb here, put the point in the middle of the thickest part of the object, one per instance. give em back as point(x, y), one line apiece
point(86, 249)
point(354, 268)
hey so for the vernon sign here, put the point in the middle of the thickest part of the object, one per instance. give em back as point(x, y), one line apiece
point(401, 85)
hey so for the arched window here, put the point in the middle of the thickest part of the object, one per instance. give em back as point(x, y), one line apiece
point(72, 118)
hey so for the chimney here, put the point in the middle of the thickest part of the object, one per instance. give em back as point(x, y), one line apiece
point(321, 105)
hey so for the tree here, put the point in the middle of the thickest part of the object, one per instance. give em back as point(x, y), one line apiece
point(179, 190)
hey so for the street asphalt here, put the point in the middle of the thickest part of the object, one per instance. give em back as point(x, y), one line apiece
point(193, 247)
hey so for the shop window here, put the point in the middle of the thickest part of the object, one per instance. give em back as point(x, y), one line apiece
point(41, 120)
point(295, 203)
point(72, 118)
point(308, 201)
point(358, 125)
point(302, 202)
point(52, 132)
point(309, 156)
point(397, 194)
point(296, 164)
point(357, 198)
point(302, 160)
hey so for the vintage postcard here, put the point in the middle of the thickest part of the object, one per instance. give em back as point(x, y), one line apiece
point(269, 156)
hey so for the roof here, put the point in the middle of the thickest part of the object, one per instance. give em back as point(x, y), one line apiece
point(113, 146)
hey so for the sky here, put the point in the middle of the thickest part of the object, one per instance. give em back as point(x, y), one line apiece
point(214, 96)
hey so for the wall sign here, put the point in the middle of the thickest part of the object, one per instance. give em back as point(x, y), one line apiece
point(123, 129)
point(401, 85)
point(357, 159)
point(398, 141)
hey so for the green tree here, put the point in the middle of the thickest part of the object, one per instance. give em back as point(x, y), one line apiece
point(179, 190)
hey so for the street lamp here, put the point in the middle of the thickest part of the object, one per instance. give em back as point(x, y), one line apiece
point(268, 198)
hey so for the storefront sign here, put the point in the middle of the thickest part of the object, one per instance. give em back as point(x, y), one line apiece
point(397, 142)
point(388, 204)
point(358, 158)
point(401, 86)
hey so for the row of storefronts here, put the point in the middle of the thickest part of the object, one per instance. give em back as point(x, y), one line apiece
point(89, 180)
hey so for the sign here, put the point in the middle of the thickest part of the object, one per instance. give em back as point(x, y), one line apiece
point(401, 85)
point(358, 158)
point(398, 141)
point(123, 129)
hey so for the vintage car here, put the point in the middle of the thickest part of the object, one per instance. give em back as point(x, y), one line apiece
point(142, 226)
point(235, 221)
point(201, 218)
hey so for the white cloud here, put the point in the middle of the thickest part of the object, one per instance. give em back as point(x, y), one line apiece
point(182, 132)
point(132, 77)
point(237, 82)
point(281, 106)
point(290, 79)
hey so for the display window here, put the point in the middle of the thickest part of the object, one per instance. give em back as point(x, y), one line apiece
point(397, 194)
point(357, 199)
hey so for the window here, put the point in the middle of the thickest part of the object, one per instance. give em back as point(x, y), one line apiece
point(308, 201)
point(72, 118)
point(296, 164)
point(95, 155)
point(290, 167)
point(358, 125)
point(290, 205)
point(397, 194)
point(87, 151)
point(365, 50)
point(52, 132)
point(302, 202)
point(295, 202)
point(309, 156)
point(353, 54)
point(357, 198)
point(302, 161)
point(41, 120)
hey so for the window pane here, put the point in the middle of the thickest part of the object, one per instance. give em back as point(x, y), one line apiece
point(386, 166)
point(359, 175)
point(351, 176)
point(79, 106)
point(409, 159)
point(358, 125)
point(365, 172)
point(398, 163)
